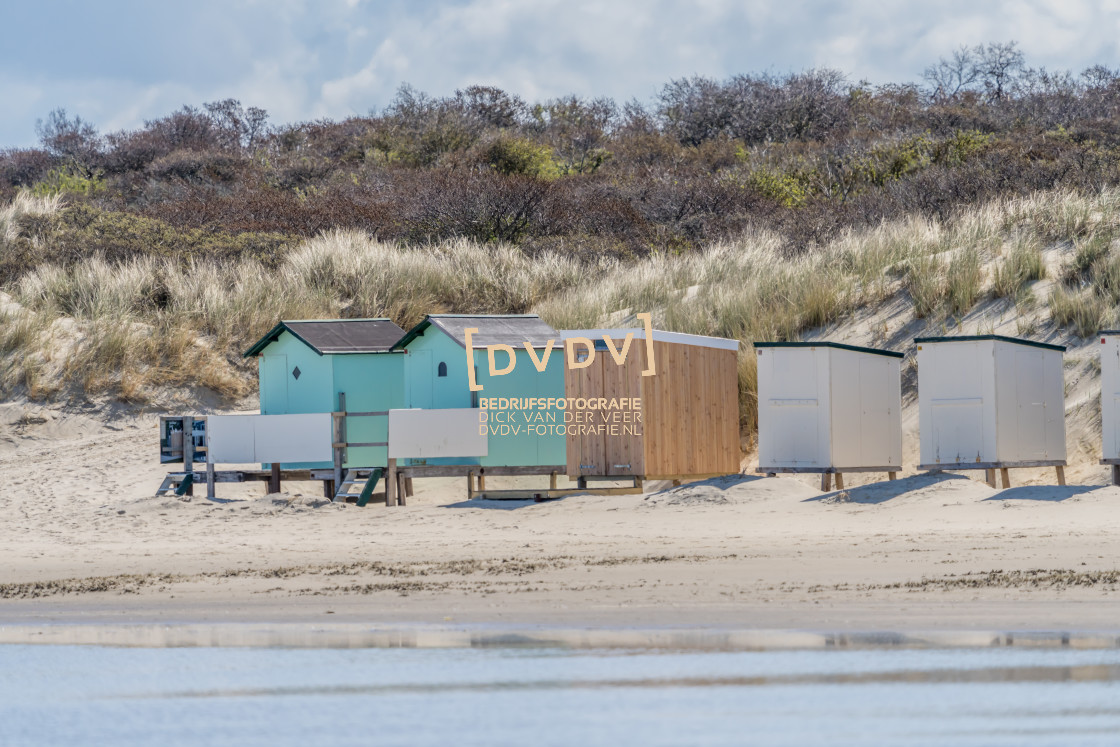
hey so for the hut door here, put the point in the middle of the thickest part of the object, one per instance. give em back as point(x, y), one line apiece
point(420, 378)
point(274, 385)
point(1031, 396)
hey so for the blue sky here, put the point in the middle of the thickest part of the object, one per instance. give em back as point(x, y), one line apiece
point(119, 62)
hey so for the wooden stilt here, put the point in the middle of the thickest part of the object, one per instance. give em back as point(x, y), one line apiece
point(402, 490)
point(581, 483)
point(470, 485)
point(892, 475)
point(188, 451)
point(552, 481)
point(328, 489)
point(482, 482)
point(209, 476)
point(274, 479)
point(1061, 470)
point(408, 487)
point(391, 483)
point(990, 477)
point(1116, 474)
point(1005, 477)
point(839, 480)
point(826, 482)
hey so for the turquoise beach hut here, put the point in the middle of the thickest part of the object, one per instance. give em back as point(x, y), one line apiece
point(435, 374)
point(304, 366)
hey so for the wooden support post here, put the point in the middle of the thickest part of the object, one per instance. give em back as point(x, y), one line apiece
point(1116, 474)
point(826, 482)
point(482, 482)
point(470, 485)
point(638, 483)
point(209, 476)
point(336, 436)
point(1005, 477)
point(402, 489)
point(274, 478)
point(1061, 470)
point(391, 483)
point(552, 481)
point(990, 477)
point(328, 489)
point(188, 450)
point(676, 483)
point(839, 481)
point(581, 483)
point(408, 487)
point(892, 475)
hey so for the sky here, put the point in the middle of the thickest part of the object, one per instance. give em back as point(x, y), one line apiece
point(117, 63)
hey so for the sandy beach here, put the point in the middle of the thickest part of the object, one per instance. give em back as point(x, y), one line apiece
point(83, 541)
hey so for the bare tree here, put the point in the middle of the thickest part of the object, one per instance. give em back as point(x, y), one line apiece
point(951, 76)
point(75, 140)
point(997, 65)
point(237, 127)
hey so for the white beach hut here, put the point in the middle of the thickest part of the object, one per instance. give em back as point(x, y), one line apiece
point(1110, 401)
point(829, 408)
point(991, 402)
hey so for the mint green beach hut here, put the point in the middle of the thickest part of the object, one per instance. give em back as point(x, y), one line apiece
point(435, 374)
point(305, 365)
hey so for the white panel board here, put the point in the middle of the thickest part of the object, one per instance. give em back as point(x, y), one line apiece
point(432, 434)
point(241, 439)
point(293, 438)
point(230, 439)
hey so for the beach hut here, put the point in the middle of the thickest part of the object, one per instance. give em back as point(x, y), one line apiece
point(830, 408)
point(1110, 401)
point(991, 402)
point(688, 410)
point(332, 365)
point(436, 376)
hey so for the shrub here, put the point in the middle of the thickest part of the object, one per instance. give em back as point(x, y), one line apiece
point(512, 155)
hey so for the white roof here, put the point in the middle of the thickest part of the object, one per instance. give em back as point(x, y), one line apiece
point(659, 335)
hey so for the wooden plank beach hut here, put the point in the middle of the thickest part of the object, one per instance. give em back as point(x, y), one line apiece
point(830, 408)
point(689, 425)
point(334, 365)
point(991, 402)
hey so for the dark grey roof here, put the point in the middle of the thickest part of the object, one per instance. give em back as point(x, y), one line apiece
point(336, 336)
point(513, 330)
point(1000, 338)
point(827, 344)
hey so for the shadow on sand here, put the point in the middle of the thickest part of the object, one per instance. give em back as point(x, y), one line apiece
point(1042, 492)
point(723, 482)
point(881, 492)
point(503, 505)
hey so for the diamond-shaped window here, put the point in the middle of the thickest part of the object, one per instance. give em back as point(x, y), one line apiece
point(296, 372)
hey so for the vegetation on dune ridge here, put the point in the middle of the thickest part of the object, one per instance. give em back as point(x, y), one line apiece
point(756, 207)
point(805, 155)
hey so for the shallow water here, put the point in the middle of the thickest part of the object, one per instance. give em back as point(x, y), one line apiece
point(83, 695)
